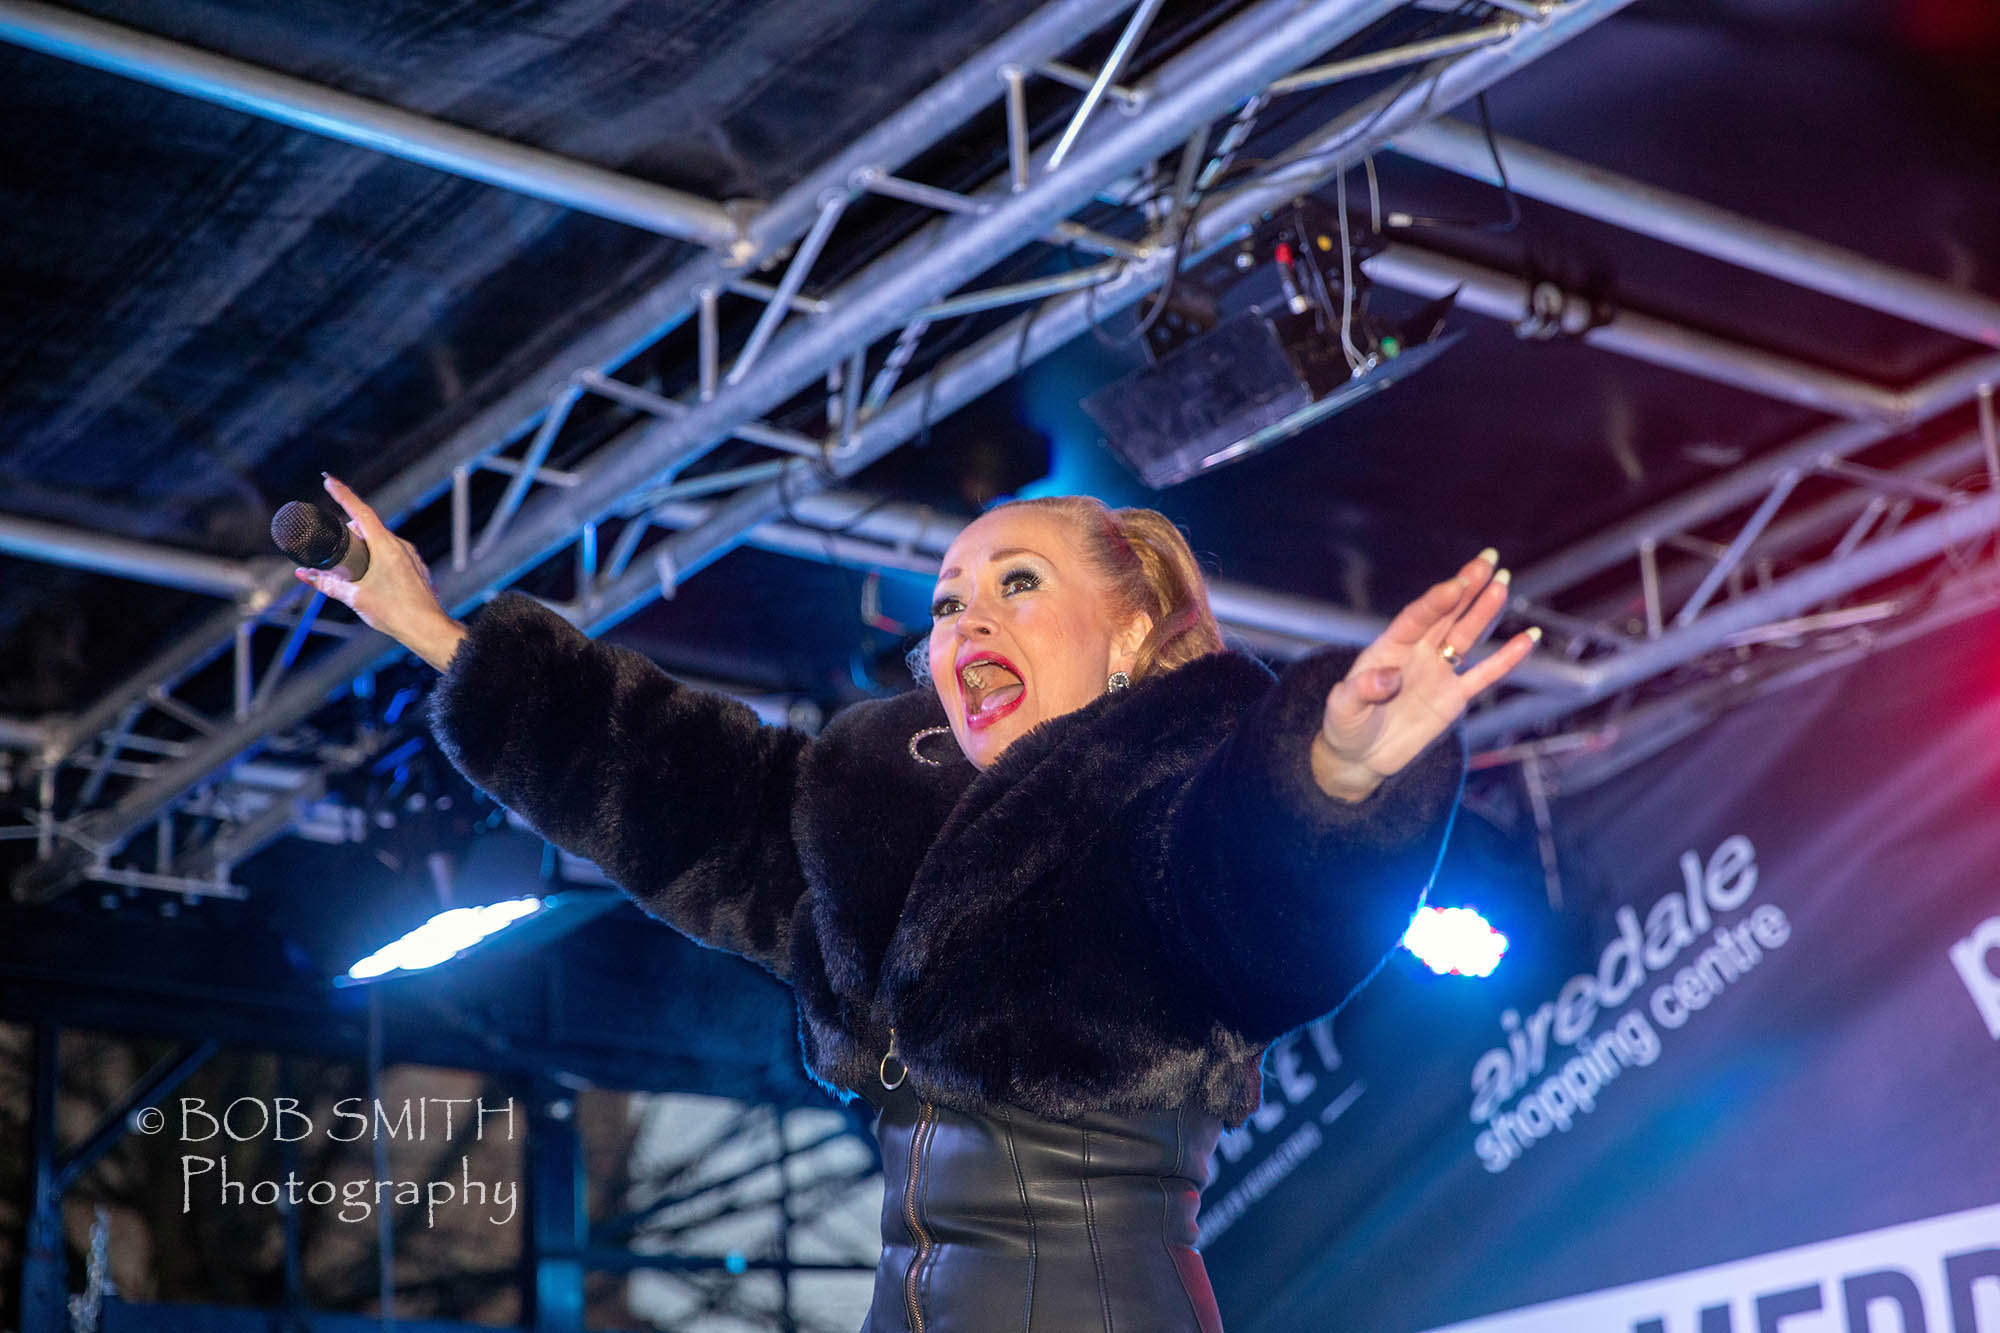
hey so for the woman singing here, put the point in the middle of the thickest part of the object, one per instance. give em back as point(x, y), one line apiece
point(1044, 915)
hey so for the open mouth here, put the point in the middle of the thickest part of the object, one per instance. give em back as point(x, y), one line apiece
point(991, 690)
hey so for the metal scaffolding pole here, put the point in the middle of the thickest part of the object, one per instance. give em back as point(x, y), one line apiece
point(1198, 84)
point(19, 734)
point(1704, 228)
point(557, 1223)
point(936, 113)
point(249, 88)
point(120, 557)
point(1644, 338)
point(44, 1290)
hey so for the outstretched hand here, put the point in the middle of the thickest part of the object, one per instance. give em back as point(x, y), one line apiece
point(395, 595)
point(1414, 681)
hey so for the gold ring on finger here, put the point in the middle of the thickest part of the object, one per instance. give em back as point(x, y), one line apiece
point(1452, 657)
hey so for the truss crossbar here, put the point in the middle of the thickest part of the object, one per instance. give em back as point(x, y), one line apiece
point(1727, 562)
point(21, 734)
point(1128, 41)
point(1644, 338)
point(146, 562)
point(1415, 53)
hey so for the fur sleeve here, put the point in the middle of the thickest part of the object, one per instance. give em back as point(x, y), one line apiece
point(682, 797)
point(1285, 897)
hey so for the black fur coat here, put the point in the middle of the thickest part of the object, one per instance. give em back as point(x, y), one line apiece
point(1120, 913)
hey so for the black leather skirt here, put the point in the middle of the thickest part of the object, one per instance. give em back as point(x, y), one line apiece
point(1008, 1222)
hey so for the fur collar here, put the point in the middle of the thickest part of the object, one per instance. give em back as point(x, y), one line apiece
point(940, 867)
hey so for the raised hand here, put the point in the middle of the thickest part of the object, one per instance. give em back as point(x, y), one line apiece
point(395, 595)
point(1412, 683)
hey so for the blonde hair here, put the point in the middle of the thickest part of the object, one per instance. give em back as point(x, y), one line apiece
point(1146, 565)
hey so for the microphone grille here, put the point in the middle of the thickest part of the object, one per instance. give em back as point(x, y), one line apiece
point(309, 535)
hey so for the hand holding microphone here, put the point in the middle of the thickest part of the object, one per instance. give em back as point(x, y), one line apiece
point(314, 539)
point(370, 569)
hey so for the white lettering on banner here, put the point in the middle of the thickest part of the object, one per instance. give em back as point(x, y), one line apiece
point(1293, 1083)
point(1973, 956)
point(1562, 1043)
point(1941, 1275)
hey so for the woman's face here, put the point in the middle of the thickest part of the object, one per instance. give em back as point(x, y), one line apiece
point(1021, 631)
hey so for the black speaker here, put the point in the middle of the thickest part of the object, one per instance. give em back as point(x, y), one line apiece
point(1242, 386)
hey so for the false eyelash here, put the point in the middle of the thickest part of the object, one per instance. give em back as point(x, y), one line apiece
point(1034, 581)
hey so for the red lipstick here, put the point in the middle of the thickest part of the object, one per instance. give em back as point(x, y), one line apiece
point(987, 717)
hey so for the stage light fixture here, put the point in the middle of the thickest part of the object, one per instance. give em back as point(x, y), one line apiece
point(1455, 941)
point(442, 938)
point(1219, 387)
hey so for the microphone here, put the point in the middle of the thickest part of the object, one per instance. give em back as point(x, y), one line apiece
point(316, 539)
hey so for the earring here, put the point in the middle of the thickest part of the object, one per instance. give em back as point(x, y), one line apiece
point(1119, 680)
point(919, 739)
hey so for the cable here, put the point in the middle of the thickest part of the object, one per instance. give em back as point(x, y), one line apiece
point(1433, 72)
point(1493, 226)
point(1308, 255)
point(1500, 168)
point(1353, 353)
point(1166, 292)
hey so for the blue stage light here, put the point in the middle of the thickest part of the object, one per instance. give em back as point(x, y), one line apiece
point(1455, 940)
point(443, 937)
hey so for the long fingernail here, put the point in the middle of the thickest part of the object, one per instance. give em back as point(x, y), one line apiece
point(1534, 634)
point(1490, 556)
point(1504, 577)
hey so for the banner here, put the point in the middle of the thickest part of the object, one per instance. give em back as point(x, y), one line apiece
point(1940, 1274)
point(1748, 1079)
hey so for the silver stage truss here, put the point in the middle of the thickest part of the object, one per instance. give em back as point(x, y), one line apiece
point(1706, 596)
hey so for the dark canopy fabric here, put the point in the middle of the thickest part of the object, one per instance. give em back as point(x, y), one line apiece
point(1783, 1029)
point(199, 310)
